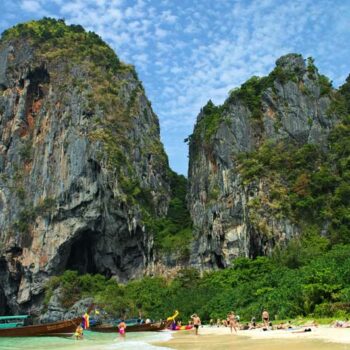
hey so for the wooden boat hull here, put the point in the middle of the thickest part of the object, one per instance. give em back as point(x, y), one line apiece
point(152, 327)
point(53, 329)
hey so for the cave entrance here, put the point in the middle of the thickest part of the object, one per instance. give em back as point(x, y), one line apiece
point(82, 253)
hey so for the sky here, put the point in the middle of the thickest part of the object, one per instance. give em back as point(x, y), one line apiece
point(189, 51)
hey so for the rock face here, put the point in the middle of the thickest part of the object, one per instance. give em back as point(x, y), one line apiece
point(81, 162)
point(56, 312)
point(291, 105)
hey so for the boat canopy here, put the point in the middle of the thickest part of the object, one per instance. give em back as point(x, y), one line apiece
point(19, 317)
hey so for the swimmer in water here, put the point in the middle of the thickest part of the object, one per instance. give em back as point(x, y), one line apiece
point(122, 328)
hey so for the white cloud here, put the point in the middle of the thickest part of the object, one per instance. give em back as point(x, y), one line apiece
point(73, 8)
point(160, 33)
point(168, 17)
point(189, 52)
point(31, 5)
point(176, 70)
point(191, 28)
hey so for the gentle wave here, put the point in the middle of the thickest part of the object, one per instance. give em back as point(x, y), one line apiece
point(143, 342)
point(92, 341)
point(132, 344)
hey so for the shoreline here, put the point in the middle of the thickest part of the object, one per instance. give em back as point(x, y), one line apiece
point(324, 333)
point(322, 337)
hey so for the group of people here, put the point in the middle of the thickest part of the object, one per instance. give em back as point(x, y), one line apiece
point(342, 324)
point(122, 326)
point(79, 332)
point(233, 321)
point(85, 324)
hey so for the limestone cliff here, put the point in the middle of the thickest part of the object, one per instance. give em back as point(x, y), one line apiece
point(82, 166)
point(241, 203)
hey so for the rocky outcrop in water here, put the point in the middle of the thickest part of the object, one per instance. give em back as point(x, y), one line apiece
point(82, 168)
point(234, 217)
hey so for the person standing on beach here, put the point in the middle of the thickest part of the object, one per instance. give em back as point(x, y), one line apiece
point(265, 318)
point(232, 321)
point(196, 322)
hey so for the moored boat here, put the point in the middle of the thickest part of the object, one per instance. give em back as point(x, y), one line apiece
point(60, 328)
point(143, 327)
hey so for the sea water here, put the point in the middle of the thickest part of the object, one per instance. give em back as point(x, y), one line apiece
point(91, 341)
point(144, 341)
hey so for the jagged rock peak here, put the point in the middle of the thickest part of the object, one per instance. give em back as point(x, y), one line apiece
point(232, 153)
point(82, 167)
point(292, 62)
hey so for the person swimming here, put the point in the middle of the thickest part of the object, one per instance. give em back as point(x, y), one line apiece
point(79, 333)
point(122, 328)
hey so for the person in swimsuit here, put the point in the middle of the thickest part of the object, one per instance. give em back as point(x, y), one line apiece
point(265, 318)
point(232, 321)
point(122, 328)
point(196, 322)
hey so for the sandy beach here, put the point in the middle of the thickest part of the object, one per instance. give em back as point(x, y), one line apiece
point(220, 338)
point(325, 333)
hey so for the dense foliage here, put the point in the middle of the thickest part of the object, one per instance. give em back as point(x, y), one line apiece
point(210, 120)
point(174, 232)
point(57, 39)
point(308, 279)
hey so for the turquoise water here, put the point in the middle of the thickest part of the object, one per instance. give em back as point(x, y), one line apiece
point(91, 341)
point(142, 341)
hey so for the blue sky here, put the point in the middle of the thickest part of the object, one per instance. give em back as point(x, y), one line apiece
point(189, 51)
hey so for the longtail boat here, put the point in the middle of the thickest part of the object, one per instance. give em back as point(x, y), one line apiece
point(60, 328)
point(144, 327)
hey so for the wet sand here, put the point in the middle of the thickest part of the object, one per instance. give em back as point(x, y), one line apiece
point(211, 339)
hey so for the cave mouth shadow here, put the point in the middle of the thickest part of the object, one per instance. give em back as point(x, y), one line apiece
point(4, 308)
point(82, 254)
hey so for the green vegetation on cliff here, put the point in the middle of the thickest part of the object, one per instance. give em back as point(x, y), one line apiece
point(173, 233)
point(56, 39)
point(308, 184)
point(249, 94)
point(210, 121)
point(307, 279)
point(91, 83)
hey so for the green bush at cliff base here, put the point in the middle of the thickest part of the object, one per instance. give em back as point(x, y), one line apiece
point(307, 279)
